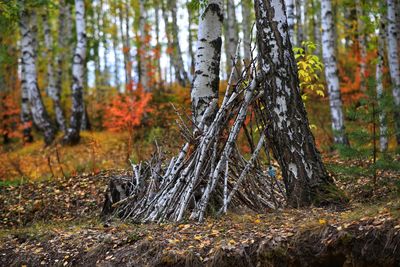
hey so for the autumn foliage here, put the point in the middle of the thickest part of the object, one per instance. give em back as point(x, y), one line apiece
point(126, 111)
point(9, 117)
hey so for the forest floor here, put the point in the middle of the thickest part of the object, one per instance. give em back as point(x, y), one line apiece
point(57, 222)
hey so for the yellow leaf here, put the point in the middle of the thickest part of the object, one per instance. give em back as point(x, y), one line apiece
point(322, 221)
point(197, 237)
point(257, 221)
point(232, 242)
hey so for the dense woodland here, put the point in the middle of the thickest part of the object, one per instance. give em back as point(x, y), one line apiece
point(239, 114)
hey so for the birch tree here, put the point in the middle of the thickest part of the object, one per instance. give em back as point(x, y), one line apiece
point(52, 89)
point(362, 43)
point(331, 72)
point(287, 131)
point(172, 32)
point(143, 78)
point(231, 34)
point(208, 54)
point(383, 139)
point(28, 65)
point(180, 72)
point(78, 72)
point(393, 55)
point(26, 119)
point(246, 24)
point(290, 19)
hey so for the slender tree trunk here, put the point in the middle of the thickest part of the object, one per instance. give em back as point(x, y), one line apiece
point(246, 24)
point(331, 73)
point(316, 20)
point(362, 44)
point(288, 132)
point(300, 21)
point(190, 41)
point(158, 45)
point(180, 72)
point(125, 49)
point(144, 79)
point(383, 139)
point(290, 19)
point(231, 36)
point(116, 57)
point(26, 119)
point(393, 54)
point(28, 49)
point(78, 72)
point(64, 37)
point(52, 88)
point(206, 78)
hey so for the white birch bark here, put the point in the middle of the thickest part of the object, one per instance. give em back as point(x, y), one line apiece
point(25, 109)
point(190, 41)
point(393, 55)
point(316, 26)
point(287, 129)
point(362, 44)
point(383, 139)
point(206, 78)
point(231, 35)
point(144, 80)
point(28, 50)
point(180, 72)
point(300, 21)
point(78, 72)
point(331, 72)
point(290, 19)
point(247, 24)
point(52, 89)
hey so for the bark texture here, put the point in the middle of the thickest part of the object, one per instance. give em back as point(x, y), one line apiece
point(180, 72)
point(383, 139)
point(287, 128)
point(28, 50)
point(231, 36)
point(78, 72)
point(331, 72)
point(393, 55)
point(143, 77)
point(26, 118)
point(290, 19)
point(52, 89)
point(362, 43)
point(206, 78)
point(247, 25)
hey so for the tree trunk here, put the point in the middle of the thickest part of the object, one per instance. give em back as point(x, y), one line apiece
point(231, 36)
point(158, 45)
point(246, 24)
point(300, 21)
point(287, 130)
point(78, 72)
point(52, 88)
point(383, 139)
point(180, 72)
point(393, 54)
point(290, 19)
point(316, 20)
point(331, 73)
point(144, 79)
point(28, 50)
point(26, 119)
point(206, 78)
point(362, 44)
point(190, 40)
